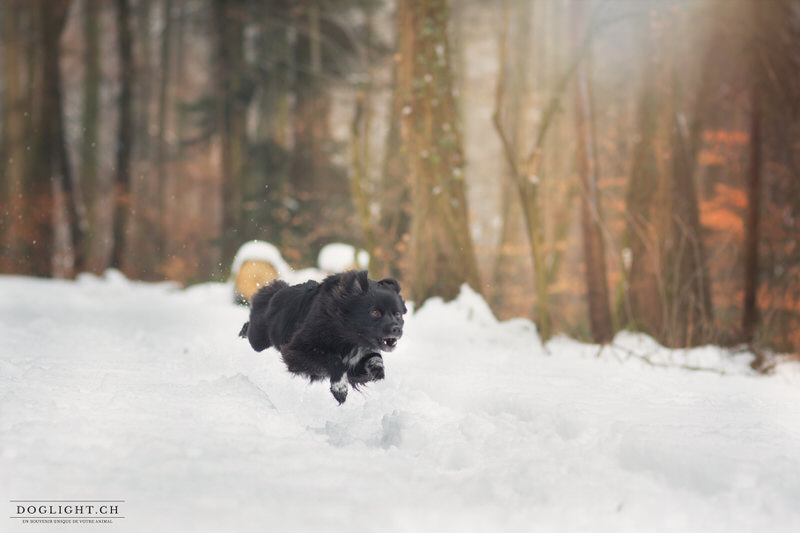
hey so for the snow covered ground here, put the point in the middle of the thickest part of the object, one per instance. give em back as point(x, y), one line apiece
point(112, 389)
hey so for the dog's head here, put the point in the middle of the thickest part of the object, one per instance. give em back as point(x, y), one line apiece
point(371, 310)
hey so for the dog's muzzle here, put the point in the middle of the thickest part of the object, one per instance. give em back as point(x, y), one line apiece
point(387, 344)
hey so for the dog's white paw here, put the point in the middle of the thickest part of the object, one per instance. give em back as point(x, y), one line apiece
point(339, 390)
point(374, 368)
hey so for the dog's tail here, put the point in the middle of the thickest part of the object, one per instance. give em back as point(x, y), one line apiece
point(257, 334)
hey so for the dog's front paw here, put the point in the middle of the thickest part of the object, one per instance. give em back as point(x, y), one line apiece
point(374, 367)
point(339, 391)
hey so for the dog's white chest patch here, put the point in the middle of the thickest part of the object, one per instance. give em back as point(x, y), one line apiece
point(355, 356)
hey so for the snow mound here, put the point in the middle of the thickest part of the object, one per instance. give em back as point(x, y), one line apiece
point(468, 307)
point(264, 251)
point(305, 274)
point(261, 251)
point(338, 257)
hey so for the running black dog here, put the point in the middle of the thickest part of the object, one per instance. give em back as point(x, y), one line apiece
point(335, 329)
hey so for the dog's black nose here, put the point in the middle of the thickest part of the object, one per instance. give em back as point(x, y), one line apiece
point(397, 330)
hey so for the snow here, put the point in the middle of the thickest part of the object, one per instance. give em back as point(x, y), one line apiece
point(332, 258)
point(264, 251)
point(261, 251)
point(114, 389)
point(338, 257)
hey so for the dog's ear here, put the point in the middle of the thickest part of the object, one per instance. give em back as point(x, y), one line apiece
point(390, 283)
point(361, 283)
point(351, 283)
point(347, 284)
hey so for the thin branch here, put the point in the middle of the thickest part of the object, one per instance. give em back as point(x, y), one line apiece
point(646, 359)
point(508, 150)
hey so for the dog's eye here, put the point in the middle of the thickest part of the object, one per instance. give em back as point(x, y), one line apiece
point(376, 313)
point(398, 314)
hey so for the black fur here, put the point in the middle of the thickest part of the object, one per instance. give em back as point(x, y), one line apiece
point(335, 329)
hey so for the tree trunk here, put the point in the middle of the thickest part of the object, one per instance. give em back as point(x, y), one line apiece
point(691, 285)
point(90, 128)
point(441, 252)
point(360, 153)
point(395, 192)
point(15, 251)
point(58, 257)
point(359, 179)
point(643, 303)
point(752, 221)
point(163, 112)
point(229, 20)
point(591, 229)
point(139, 22)
point(125, 134)
point(694, 283)
point(310, 167)
point(180, 70)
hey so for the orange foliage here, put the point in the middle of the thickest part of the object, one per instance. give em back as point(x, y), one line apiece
point(722, 220)
point(723, 211)
point(729, 137)
point(730, 195)
point(708, 158)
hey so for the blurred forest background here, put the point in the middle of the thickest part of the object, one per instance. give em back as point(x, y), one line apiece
point(590, 164)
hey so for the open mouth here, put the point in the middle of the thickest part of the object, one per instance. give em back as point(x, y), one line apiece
point(388, 343)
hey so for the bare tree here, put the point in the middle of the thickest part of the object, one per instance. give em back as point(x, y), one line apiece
point(591, 229)
point(644, 302)
point(524, 173)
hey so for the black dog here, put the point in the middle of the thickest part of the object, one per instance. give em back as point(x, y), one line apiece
point(335, 329)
